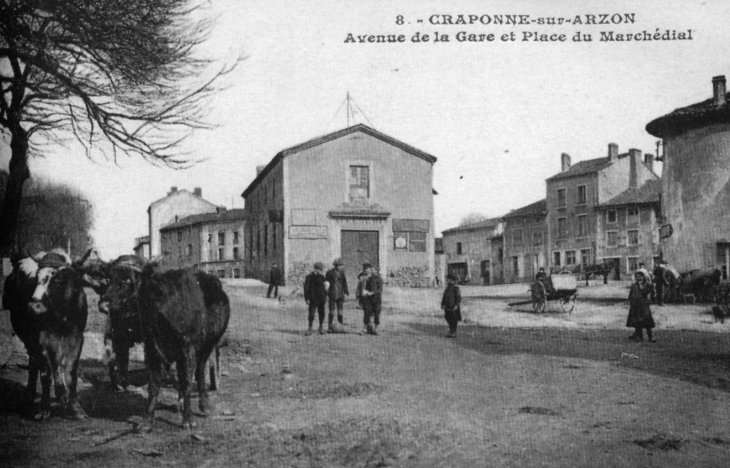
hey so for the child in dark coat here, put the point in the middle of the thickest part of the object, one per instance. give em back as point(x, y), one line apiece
point(639, 312)
point(315, 295)
point(451, 304)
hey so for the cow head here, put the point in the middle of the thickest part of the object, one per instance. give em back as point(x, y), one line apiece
point(124, 278)
point(44, 267)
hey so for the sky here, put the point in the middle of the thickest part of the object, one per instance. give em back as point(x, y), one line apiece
point(497, 114)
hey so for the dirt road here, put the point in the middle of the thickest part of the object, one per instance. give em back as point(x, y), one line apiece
point(514, 389)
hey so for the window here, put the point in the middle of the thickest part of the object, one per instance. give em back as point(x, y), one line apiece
point(359, 183)
point(266, 240)
point(633, 237)
point(190, 250)
point(220, 254)
point(612, 238)
point(537, 237)
point(273, 238)
point(179, 236)
point(517, 238)
point(562, 228)
point(585, 256)
point(583, 226)
point(221, 238)
point(235, 237)
point(235, 253)
point(458, 248)
point(562, 200)
point(236, 273)
point(570, 257)
point(516, 266)
point(582, 196)
point(633, 216)
point(273, 189)
point(556, 258)
point(611, 216)
point(265, 192)
point(258, 243)
point(221, 273)
point(633, 263)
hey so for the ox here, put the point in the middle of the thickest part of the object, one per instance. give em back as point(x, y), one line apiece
point(182, 316)
point(48, 312)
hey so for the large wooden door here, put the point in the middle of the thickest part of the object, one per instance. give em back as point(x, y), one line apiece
point(358, 247)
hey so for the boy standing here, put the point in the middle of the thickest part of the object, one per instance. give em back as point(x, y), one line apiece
point(337, 290)
point(372, 301)
point(451, 304)
point(315, 295)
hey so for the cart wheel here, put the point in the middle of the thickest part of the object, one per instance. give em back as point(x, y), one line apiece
point(538, 297)
point(214, 366)
point(568, 303)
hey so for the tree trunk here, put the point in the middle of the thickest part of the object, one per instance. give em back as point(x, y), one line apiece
point(18, 174)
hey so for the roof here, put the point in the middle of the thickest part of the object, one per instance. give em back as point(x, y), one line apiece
point(647, 194)
point(693, 116)
point(487, 224)
point(533, 209)
point(176, 193)
point(589, 166)
point(334, 136)
point(236, 214)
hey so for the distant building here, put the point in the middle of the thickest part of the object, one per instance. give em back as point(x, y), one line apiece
point(468, 251)
point(172, 208)
point(696, 182)
point(213, 242)
point(439, 261)
point(142, 247)
point(525, 242)
point(573, 196)
point(357, 194)
point(628, 229)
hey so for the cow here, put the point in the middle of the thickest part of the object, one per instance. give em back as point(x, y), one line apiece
point(48, 312)
point(182, 316)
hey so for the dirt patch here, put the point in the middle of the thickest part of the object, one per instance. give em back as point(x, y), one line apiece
point(538, 410)
point(660, 442)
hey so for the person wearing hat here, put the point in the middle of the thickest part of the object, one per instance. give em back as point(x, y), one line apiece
point(640, 317)
point(451, 304)
point(371, 298)
point(315, 295)
point(274, 280)
point(337, 290)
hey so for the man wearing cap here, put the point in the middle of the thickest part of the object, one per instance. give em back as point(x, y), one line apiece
point(315, 295)
point(274, 280)
point(337, 290)
point(372, 299)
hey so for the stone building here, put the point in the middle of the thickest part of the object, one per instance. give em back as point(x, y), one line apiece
point(696, 182)
point(629, 230)
point(573, 195)
point(213, 242)
point(468, 251)
point(142, 247)
point(172, 208)
point(525, 239)
point(357, 194)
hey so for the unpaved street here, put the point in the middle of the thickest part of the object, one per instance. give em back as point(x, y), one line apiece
point(514, 389)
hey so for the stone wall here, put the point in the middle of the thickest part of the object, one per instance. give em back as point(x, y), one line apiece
point(414, 277)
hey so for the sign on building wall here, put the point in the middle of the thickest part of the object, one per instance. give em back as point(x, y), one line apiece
point(307, 232)
point(665, 231)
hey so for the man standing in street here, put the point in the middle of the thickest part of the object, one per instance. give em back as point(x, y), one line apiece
point(372, 299)
point(337, 291)
point(274, 280)
point(315, 295)
point(660, 282)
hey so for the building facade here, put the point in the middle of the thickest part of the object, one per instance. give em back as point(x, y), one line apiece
point(468, 251)
point(213, 242)
point(142, 247)
point(525, 242)
point(696, 182)
point(573, 196)
point(172, 208)
point(629, 229)
point(356, 194)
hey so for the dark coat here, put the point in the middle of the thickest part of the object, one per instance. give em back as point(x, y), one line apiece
point(314, 290)
point(338, 284)
point(639, 311)
point(374, 284)
point(451, 302)
point(275, 276)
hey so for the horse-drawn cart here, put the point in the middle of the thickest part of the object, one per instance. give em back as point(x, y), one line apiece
point(561, 287)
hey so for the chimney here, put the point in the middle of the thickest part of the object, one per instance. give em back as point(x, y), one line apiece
point(198, 192)
point(259, 169)
point(612, 152)
point(718, 90)
point(564, 162)
point(173, 189)
point(635, 172)
point(649, 161)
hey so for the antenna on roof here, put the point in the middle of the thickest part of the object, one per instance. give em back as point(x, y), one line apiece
point(351, 109)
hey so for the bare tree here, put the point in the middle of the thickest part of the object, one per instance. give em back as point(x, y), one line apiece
point(472, 218)
point(120, 77)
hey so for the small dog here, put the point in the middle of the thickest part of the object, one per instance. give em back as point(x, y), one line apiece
point(719, 314)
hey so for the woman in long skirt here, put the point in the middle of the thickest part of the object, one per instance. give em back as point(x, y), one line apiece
point(639, 312)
